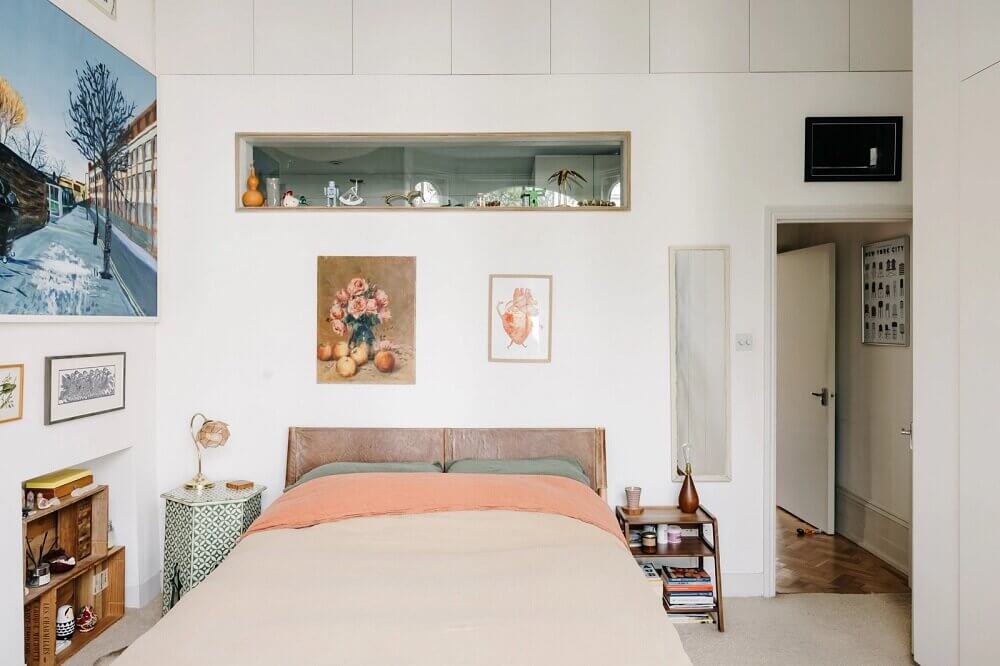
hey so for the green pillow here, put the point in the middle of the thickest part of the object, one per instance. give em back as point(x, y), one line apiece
point(567, 467)
point(330, 469)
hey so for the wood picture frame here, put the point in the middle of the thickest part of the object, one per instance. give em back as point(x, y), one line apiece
point(526, 326)
point(11, 392)
point(81, 385)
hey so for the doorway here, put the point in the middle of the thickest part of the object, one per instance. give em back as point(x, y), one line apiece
point(841, 491)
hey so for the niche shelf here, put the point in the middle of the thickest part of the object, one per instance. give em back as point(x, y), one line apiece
point(482, 172)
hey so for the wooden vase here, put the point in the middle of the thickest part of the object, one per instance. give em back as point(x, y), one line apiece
point(688, 501)
point(253, 198)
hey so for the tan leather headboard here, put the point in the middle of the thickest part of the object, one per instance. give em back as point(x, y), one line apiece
point(309, 448)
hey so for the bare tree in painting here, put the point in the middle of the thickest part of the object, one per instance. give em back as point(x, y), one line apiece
point(30, 146)
point(99, 115)
point(12, 110)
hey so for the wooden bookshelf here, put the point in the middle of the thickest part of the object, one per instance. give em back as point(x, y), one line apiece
point(704, 545)
point(79, 525)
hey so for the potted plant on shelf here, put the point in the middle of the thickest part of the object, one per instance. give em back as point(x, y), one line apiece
point(565, 180)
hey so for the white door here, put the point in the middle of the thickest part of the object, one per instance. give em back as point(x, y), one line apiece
point(806, 360)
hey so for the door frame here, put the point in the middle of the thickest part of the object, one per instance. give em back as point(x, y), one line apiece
point(773, 216)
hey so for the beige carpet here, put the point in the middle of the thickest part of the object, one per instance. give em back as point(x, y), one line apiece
point(815, 629)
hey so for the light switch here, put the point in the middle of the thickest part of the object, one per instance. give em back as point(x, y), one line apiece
point(744, 342)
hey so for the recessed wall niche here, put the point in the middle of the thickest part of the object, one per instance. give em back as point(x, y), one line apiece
point(570, 171)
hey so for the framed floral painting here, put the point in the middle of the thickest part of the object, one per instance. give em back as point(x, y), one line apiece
point(520, 328)
point(11, 392)
point(365, 320)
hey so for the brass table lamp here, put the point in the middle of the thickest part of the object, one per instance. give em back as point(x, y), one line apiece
point(208, 435)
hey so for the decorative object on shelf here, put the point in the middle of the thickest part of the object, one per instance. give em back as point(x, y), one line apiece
point(409, 197)
point(649, 542)
point(566, 180)
point(83, 385)
point(290, 200)
point(529, 196)
point(353, 196)
point(674, 533)
point(520, 318)
point(687, 500)
point(253, 198)
point(39, 572)
point(596, 203)
point(273, 186)
point(365, 327)
point(632, 497)
point(662, 533)
point(200, 528)
point(332, 193)
point(11, 392)
point(885, 298)
point(209, 435)
point(86, 620)
point(65, 622)
point(59, 561)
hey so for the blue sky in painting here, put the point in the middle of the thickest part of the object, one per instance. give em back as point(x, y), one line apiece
point(40, 49)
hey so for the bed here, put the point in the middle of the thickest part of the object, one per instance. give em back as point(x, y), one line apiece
point(425, 568)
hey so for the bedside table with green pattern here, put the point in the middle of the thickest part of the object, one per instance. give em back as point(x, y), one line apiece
point(200, 530)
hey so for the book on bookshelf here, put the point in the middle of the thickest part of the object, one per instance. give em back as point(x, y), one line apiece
point(686, 575)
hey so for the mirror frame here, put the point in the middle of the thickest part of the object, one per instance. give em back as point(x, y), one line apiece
point(727, 475)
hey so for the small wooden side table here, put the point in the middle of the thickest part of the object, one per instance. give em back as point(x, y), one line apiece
point(692, 546)
point(199, 531)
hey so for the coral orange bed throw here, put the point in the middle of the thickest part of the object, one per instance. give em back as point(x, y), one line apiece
point(339, 497)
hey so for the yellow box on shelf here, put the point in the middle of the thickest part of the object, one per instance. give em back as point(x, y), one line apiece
point(61, 483)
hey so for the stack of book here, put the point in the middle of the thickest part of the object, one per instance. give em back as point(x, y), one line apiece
point(689, 591)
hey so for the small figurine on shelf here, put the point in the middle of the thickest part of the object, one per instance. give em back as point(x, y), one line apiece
point(290, 200)
point(687, 501)
point(353, 196)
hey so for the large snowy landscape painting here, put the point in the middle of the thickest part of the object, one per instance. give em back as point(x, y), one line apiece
point(78, 223)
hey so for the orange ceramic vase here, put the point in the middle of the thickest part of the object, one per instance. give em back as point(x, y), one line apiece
point(253, 198)
point(688, 501)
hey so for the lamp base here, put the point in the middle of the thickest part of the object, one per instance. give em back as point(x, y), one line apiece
point(199, 482)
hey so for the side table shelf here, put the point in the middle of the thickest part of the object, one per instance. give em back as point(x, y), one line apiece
point(701, 546)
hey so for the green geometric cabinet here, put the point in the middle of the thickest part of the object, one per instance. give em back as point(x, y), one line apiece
point(199, 531)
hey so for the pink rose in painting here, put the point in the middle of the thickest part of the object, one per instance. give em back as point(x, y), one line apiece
point(343, 297)
point(371, 307)
point(336, 311)
point(385, 345)
point(385, 315)
point(381, 298)
point(357, 307)
point(357, 286)
point(339, 327)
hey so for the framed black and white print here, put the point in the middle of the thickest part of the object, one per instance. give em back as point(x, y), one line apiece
point(85, 385)
point(885, 299)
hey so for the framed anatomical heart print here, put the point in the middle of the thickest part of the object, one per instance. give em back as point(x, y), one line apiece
point(520, 318)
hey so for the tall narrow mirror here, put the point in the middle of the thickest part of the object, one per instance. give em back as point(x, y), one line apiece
point(699, 367)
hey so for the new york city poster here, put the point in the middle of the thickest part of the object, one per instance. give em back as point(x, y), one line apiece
point(73, 110)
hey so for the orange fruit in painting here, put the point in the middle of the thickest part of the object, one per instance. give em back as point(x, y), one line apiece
point(385, 361)
point(324, 351)
point(360, 354)
point(341, 349)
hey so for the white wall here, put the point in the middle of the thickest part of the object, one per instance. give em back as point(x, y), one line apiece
point(874, 399)
point(236, 337)
point(117, 446)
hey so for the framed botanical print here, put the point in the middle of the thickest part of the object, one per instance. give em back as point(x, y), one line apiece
point(520, 318)
point(85, 385)
point(11, 392)
point(885, 301)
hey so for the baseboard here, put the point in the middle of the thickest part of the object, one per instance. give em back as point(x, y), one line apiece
point(138, 596)
point(880, 532)
point(742, 585)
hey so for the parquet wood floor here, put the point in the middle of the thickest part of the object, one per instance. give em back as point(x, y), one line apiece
point(832, 564)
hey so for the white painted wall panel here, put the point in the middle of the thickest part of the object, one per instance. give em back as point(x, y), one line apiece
point(302, 37)
point(699, 35)
point(197, 37)
point(402, 37)
point(881, 35)
point(799, 35)
point(500, 37)
point(600, 37)
point(978, 43)
point(131, 31)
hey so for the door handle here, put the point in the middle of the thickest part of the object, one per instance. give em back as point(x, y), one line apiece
point(823, 395)
point(907, 432)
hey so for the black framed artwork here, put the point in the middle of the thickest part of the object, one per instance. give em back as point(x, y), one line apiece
point(854, 148)
point(885, 300)
point(83, 385)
